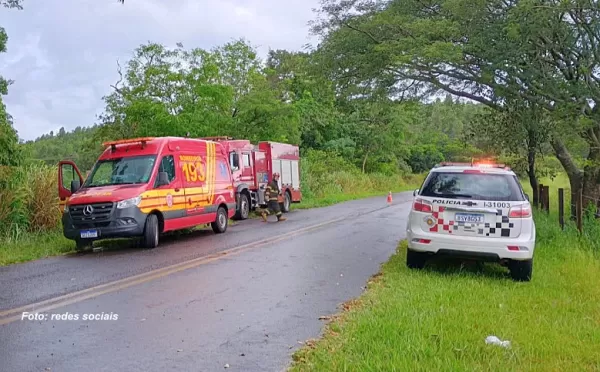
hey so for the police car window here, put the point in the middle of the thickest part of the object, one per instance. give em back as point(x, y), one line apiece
point(167, 164)
point(494, 187)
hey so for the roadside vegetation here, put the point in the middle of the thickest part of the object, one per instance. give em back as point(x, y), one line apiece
point(439, 318)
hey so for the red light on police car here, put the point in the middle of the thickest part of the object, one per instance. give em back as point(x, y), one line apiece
point(422, 241)
point(513, 248)
point(421, 205)
point(521, 211)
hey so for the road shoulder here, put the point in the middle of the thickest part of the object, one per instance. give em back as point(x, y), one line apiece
point(439, 318)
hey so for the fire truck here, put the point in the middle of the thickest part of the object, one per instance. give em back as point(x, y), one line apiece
point(252, 167)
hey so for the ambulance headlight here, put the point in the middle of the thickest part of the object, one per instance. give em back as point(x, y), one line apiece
point(128, 203)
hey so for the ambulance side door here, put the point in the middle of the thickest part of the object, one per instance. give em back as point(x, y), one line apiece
point(194, 172)
point(172, 195)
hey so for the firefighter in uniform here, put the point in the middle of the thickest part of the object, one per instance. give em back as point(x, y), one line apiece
point(271, 194)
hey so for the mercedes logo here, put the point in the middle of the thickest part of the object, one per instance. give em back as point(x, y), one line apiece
point(88, 210)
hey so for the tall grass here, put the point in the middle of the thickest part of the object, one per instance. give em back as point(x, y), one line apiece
point(325, 175)
point(28, 201)
point(548, 226)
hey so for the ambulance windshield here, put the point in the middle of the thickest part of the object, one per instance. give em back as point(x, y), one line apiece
point(121, 171)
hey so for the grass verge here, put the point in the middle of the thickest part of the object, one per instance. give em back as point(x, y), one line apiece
point(439, 318)
point(34, 246)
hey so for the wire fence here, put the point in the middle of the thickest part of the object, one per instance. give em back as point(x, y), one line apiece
point(579, 204)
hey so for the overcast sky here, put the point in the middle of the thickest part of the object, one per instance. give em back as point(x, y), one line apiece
point(62, 53)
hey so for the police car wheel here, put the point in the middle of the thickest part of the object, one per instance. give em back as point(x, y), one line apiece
point(150, 238)
point(219, 226)
point(521, 271)
point(415, 260)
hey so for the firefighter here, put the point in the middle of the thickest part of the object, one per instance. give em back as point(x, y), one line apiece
point(271, 196)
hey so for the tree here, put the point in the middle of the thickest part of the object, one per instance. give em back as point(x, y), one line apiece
point(203, 93)
point(10, 152)
point(493, 52)
point(13, 4)
point(520, 130)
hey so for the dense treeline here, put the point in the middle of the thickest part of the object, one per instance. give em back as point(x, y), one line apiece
point(427, 134)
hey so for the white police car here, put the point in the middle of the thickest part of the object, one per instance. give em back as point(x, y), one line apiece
point(472, 211)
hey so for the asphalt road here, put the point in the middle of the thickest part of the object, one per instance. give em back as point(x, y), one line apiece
point(197, 302)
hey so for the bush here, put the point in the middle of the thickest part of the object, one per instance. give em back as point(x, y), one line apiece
point(327, 174)
point(28, 200)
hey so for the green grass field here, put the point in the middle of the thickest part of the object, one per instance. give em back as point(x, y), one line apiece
point(439, 318)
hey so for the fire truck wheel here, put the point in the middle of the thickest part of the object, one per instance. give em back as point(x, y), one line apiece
point(243, 209)
point(285, 206)
point(220, 224)
point(150, 238)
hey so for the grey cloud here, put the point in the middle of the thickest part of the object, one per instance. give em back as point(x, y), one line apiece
point(62, 54)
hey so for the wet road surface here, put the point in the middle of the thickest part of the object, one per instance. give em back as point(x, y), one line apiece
point(248, 310)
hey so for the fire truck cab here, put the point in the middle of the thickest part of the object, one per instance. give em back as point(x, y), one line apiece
point(144, 187)
point(252, 168)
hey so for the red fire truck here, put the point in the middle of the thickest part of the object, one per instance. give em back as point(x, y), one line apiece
point(253, 167)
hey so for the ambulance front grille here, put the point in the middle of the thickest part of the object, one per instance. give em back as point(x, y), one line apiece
point(100, 213)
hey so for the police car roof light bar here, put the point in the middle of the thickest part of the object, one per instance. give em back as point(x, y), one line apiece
point(113, 144)
point(472, 164)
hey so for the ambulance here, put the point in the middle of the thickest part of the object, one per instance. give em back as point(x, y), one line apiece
point(144, 187)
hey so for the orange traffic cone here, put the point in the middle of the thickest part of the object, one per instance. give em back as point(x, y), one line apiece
point(389, 198)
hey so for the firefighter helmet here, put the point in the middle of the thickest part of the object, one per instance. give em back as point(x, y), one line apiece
point(275, 174)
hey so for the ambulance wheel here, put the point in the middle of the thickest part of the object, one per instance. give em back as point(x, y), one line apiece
point(150, 238)
point(221, 222)
point(243, 207)
point(285, 206)
point(82, 245)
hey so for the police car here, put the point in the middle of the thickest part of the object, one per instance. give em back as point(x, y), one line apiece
point(472, 211)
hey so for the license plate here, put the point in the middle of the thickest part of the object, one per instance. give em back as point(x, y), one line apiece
point(87, 234)
point(470, 218)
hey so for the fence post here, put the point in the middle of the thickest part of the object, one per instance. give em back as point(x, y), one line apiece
point(541, 195)
point(547, 199)
point(580, 211)
point(561, 208)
